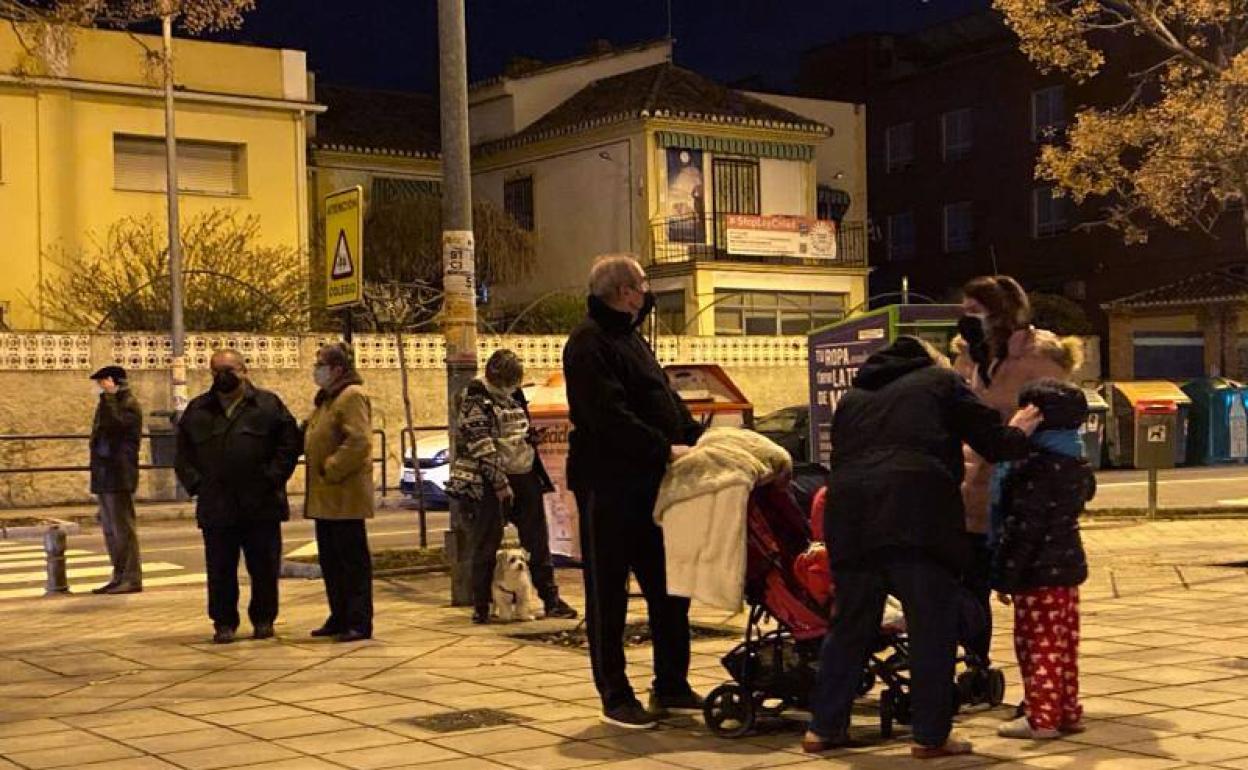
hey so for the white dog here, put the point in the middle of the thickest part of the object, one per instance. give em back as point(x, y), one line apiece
point(514, 595)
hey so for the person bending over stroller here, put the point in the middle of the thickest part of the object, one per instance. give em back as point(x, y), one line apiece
point(895, 525)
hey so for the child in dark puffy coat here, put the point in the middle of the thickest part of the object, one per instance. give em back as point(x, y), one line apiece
point(1040, 563)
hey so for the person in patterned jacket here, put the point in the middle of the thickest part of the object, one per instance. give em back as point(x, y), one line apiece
point(1040, 563)
point(498, 474)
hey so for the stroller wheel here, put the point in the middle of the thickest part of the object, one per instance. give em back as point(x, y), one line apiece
point(868, 682)
point(886, 714)
point(729, 711)
point(967, 687)
point(996, 687)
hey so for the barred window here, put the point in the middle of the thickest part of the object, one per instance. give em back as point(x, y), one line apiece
point(518, 201)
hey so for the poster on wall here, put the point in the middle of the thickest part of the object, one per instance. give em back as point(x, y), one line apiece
point(560, 505)
point(686, 199)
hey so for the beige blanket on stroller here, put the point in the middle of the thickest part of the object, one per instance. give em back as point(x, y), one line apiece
point(702, 508)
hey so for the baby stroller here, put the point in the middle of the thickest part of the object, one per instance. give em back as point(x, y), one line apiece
point(774, 670)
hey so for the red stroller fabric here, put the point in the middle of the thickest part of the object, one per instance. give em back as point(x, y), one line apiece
point(777, 568)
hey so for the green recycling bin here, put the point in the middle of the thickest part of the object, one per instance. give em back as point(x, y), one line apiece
point(1217, 423)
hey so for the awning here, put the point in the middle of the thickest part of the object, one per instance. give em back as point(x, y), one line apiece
point(727, 146)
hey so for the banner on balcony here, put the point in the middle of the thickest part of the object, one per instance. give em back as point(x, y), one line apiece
point(780, 236)
point(686, 201)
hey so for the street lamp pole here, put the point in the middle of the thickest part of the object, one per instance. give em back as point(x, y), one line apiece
point(178, 330)
point(459, 311)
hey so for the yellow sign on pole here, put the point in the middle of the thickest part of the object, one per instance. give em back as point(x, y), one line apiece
point(344, 248)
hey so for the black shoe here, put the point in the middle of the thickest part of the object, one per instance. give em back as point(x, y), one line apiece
point(222, 635)
point(481, 616)
point(558, 608)
point(353, 635)
point(110, 585)
point(661, 704)
point(123, 588)
point(262, 631)
point(326, 630)
point(631, 716)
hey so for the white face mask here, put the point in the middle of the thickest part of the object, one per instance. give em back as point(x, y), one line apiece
point(323, 376)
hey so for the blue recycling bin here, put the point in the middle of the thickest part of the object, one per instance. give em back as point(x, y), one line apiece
point(1218, 421)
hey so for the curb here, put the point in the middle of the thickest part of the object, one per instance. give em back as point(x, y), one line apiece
point(1169, 514)
point(36, 531)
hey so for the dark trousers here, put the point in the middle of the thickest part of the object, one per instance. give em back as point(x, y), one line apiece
point(978, 581)
point(261, 545)
point(121, 537)
point(528, 513)
point(347, 568)
point(618, 535)
point(929, 596)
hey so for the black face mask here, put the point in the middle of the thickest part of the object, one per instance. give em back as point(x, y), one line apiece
point(647, 307)
point(225, 382)
point(976, 337)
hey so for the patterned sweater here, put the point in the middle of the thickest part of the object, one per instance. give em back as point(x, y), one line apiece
point(493, 440)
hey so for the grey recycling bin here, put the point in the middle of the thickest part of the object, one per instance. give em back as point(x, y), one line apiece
point(164, 441)
point(1093, 430)
point(1156, 429)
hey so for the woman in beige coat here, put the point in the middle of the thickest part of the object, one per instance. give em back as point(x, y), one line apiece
point(338, 445)
point(999, 352)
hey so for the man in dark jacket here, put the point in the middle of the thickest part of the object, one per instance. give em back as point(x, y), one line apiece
point(627, 425)
point(115, 436)
point(895, 525)
point(237, 447)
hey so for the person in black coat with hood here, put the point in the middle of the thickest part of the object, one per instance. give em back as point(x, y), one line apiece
point(1039, 562)
point(627, 425)
point(895, 525)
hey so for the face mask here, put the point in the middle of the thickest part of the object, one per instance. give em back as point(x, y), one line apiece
point(647, 306)
point(225, 382)
point(98, 390)
point(322, 376)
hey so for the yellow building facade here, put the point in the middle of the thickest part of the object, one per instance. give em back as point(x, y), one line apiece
point(83, 148)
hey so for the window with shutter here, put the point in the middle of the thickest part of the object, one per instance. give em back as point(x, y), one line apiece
point(210, 168)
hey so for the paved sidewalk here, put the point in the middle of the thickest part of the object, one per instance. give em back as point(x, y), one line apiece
point(129, 682)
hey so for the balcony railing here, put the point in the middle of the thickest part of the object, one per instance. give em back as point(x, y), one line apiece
point(693, 238)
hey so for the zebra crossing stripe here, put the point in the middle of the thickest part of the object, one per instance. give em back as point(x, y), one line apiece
point(83, 589)
point(104, 571)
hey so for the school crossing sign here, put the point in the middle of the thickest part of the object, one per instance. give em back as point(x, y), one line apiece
point(344, 248)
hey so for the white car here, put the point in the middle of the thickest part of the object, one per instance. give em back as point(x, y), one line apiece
point(433, 452)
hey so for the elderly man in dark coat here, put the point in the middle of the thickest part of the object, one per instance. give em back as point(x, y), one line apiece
point(115, 435)
point(237, 447)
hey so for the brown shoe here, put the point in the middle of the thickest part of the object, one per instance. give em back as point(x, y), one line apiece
point(813, 743)
point(952, 747)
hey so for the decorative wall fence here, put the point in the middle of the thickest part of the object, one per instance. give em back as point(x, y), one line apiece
point(144, 352)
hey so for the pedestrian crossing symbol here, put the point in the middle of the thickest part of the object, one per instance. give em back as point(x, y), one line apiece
point(344, 248)
point(343, 267)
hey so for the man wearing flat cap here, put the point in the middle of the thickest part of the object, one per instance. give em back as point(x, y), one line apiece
point(115, 434)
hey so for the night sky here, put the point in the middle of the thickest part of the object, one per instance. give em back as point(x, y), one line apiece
point(393, 43)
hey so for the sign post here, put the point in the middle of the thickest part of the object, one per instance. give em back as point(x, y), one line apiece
point(344, 253)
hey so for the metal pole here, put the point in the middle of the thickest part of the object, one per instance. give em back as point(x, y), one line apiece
point(1152, 493)
point(459, 311)
point(54, 551)
point(178, 330)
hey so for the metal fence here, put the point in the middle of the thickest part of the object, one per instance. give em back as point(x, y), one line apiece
point(694, 238)
point(157, 452)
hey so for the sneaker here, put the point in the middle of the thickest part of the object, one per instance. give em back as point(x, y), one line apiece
point(222, 635)
point(952, 747)
point(661, 704)
point(1021, 728)
point(631, 716)
point(560, 609)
